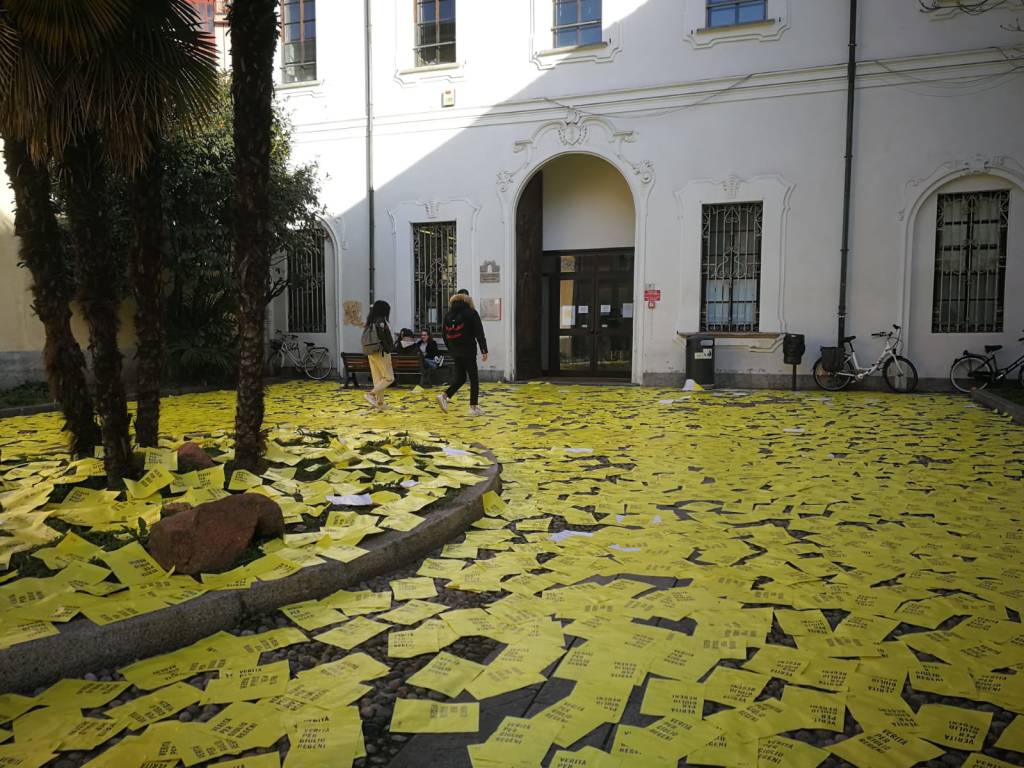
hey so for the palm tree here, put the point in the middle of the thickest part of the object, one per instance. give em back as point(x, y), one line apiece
point(253, 25)
point(92, 84)
point(42, 251)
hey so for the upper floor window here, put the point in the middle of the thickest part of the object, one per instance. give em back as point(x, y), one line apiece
point(435, 32)
point(731, 267)
point(577, 22)
point(206, 10)
point(299, 30)
point(726, 13)
point(970, 262)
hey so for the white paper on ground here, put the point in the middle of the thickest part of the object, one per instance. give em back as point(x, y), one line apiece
point(357, 500)
point(563, 535)
point(449, 451)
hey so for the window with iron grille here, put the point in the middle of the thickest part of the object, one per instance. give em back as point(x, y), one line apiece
point(299, 32)
point(307, 289)
point(577, 22)
point(435, 32)
point(727, 13)
point(730, 267)
point(433, 258)
point(970, 262)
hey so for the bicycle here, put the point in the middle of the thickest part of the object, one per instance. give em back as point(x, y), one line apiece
point(972, 371)
point(899, 373)
point(315, 362)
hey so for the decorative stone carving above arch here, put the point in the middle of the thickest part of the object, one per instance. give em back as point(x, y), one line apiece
point(577, 132)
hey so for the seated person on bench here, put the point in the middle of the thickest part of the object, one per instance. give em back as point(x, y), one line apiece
point(432, 358)
point(405, 343)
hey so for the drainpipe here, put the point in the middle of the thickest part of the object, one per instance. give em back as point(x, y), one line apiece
point(369, 146)
point(844, 250)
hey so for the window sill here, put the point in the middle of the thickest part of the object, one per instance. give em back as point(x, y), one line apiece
point(731, 334)
point(430, 68)
point(736, 27)
point(298, 86)
point(570, 49)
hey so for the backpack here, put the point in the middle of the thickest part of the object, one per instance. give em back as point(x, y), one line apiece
point(371, 341)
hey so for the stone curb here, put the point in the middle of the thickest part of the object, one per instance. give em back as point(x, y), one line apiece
point(83, 646)
point(1000, 405)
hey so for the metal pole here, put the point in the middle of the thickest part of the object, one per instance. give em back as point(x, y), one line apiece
point(794, 378)
point(844, 251)
point(371, 252)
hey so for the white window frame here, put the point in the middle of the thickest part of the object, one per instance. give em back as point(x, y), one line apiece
point(699, 35)
point(544, 56)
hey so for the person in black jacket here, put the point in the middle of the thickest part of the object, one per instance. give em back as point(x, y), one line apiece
point(463, 332)
point(432, 358)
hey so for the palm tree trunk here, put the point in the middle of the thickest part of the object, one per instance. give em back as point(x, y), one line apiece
point(41, 250)
point(101, 272)
point(253, 26)
point(147, 285)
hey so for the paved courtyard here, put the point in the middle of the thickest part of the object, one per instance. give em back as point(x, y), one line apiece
point(723, 579)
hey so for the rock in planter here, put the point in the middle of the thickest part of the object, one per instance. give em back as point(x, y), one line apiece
point(210, 537)
point(191, 456)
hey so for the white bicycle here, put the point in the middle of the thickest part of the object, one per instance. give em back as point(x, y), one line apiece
point(840, 372)
point(315, 361)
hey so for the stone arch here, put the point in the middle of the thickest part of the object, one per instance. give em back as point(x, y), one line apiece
point(577, 133)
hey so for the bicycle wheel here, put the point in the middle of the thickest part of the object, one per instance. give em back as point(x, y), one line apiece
point(833, 382)
point(272, 366)
point(900, 374)
point(318, 363)
point(970, 372)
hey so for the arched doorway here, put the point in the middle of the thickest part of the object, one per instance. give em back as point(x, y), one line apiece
point(575, 235)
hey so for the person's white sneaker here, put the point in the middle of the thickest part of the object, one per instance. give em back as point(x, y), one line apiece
point(442, 402)
point(476, 410)
point(368, 396)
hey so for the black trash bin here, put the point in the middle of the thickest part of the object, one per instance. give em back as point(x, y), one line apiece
point(793, 348)
point(700, 359)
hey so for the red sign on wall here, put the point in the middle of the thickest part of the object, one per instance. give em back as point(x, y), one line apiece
point(654, 295)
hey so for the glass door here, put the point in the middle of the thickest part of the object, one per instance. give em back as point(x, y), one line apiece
point(592, 313)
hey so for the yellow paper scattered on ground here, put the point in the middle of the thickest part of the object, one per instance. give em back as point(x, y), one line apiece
point(446, 674)
point(954, 727)
point(424, 716)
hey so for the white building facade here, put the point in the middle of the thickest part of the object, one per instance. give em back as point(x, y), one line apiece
point(608, 177)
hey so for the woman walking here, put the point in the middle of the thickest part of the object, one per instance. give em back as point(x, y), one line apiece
point(378, 344)
point(463, 331)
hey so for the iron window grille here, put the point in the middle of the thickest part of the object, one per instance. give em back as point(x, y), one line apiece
point(728, 13)
point(433, 257)
point(576, 22)
point(730, 267)
point(435, 32)
point(307, 289)
point(970, 262)
point(299, 33)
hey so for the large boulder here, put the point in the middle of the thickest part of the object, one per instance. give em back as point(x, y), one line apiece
point(192, 457)
point(210, 538)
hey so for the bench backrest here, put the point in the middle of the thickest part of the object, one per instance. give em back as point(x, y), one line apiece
point(355, 361)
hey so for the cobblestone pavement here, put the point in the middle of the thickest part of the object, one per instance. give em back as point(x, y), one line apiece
point(726, 579)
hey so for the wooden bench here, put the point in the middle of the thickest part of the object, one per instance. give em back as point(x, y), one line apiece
point(408, 366)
